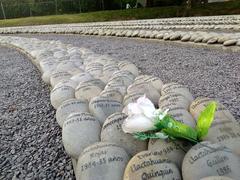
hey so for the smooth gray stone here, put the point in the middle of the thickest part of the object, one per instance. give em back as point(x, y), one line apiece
point(68, 107)
point(174, 150)
point(151, 165)
point(230, 42)
point(102, 161)
point(79, 131)
point(58, 76)
point(87, 91)
point(113, 94)
point(102, 107)
point(226, 133)
point(214, 160)
point(60, 94)
point(112, 132)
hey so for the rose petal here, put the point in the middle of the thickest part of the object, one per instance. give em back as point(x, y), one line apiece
point(132, 109)
point(146, 106)
point(137, 123)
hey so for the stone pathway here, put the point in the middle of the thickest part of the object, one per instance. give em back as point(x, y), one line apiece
point(30, 139)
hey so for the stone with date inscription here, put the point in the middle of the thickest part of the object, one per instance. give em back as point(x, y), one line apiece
point(151, 165)
point(208, 159)
point(102, 107)
point(102, 161)
point(79, 131)
point(226, 133)
point(68, 107)
point(112, 132)
point(174, 150)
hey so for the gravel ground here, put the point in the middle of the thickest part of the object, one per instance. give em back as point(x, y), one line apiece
point(30, 139)
point(207, 72)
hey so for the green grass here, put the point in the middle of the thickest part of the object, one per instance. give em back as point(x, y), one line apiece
point(225, 8)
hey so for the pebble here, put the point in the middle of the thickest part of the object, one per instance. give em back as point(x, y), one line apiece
point(214, 160)
point(102, 107)
point(102, 160)
point(79, 131)
point(151, 165)
point(112, 132)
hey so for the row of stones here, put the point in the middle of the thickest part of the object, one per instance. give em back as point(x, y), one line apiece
point(89, 92)
point(209, 22)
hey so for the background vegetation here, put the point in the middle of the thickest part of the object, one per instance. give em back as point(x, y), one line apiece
point(226, 8)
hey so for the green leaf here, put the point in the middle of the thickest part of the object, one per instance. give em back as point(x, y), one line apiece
point(176, 129)
point(205, 119)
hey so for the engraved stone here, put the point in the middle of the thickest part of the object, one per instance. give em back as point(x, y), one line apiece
point(207, 159)
point(147, 89)
point(82, 77)
point(68, 107)
point(79, 131)
point(226, 133)
point(102, 107)
point(102, 161)
point(177, 88)
point(125, 65)
point(60, 94)
point(154, 81)
point(87, 91)
point(174, 150)
point(58, 76)
point(131, 98)
point(116, 86)
point(112, 94)
point(176, 98)
point(112, 132)
point(151, 165)
point(198, 105)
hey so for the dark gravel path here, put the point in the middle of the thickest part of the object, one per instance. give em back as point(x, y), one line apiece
point(206, 72)
point(30, 139)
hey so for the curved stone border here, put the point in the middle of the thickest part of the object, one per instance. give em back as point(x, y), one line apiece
point(69, 70)
point(212, 31)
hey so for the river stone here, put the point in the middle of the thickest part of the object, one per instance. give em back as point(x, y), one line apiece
point(112, 132)
point(125, 80)
point(87, 91)
point(214, 160)
point(102, 161)
point(174, 150)
point(216, 178)
point(95, 82)
point(68, 107)
point(46, 77)
point(154, 81)
point(82, 77)
point(212, 41)
point(230, 42)
point(58, 76)
point(112, 94)
point(95, 71)
point(60, 94)
point(226, 133)
point(198, 105)
point(125, 65)
point(151, 165)
point(131, 98)
point(124, 73)
point(102, 107)
point(173, 97)
point(79, 131)
point(186, 37)
point(147, 89)
point(67, 82)
point(178, 88)
point(116, 86)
